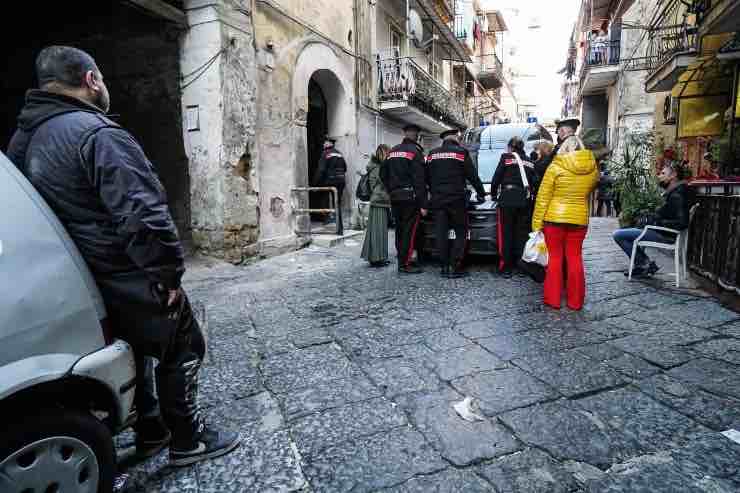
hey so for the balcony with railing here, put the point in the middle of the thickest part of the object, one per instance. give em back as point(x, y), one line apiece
point(673, 44)
point(717, 16)
point(490, 71)
point(407, 93)
point(600, 65)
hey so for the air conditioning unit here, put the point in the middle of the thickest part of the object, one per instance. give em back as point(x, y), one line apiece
point(670, 110)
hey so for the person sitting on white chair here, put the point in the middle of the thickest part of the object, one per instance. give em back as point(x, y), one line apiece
point(674, 215)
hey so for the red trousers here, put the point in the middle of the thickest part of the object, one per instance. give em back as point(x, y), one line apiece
point(565, 240)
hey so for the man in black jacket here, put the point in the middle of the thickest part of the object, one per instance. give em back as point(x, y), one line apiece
point(331, 172)
point(514, 209)
point(98, 181)
point(449, 167)
point(403, 174)
point(674, 214)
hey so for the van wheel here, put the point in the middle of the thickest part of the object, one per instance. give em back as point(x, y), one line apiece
point(60, 450)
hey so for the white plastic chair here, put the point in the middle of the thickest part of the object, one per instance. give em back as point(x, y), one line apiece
point(680, 247)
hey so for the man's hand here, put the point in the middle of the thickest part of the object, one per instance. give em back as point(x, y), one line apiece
point(424, 212)
point(481, 198)
point(173, 297)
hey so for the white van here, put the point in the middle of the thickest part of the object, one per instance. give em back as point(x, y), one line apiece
point(66, 387)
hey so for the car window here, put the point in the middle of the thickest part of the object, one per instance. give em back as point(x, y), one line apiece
point(488, 162)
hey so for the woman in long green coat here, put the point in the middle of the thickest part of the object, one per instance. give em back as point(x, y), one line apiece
point(375, 248)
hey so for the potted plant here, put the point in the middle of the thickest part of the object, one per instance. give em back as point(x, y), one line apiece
point(635, 183)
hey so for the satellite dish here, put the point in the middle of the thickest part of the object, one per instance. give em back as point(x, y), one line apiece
point(416, 27)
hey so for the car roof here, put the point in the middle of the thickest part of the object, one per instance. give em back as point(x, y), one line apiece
point(497, 136)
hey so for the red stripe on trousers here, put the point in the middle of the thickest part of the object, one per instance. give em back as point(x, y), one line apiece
point(500, 238)
point(413, 239)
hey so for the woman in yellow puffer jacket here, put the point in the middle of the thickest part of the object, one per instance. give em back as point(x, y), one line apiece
point(561, 212)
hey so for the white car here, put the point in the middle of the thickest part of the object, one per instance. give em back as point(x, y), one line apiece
point(66, 386)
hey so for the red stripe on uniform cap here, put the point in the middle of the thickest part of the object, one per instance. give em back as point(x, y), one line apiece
point(402, 155)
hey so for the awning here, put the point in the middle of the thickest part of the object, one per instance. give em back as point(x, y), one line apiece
point(708, 76)
point(496, 22)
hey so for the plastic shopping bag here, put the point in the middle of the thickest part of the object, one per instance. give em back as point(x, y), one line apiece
point(535, 251)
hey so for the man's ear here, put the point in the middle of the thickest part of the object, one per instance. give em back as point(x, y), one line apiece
point(91, 81)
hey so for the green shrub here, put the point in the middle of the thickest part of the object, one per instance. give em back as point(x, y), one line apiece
point(635, 182)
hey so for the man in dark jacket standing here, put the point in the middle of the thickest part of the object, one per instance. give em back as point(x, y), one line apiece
point(513, 183)
point(331, 172)
point(403, 175)
point(98, 181)
point(674, 214)
point(449, 167)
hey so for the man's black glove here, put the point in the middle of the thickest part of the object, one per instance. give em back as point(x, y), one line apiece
point(480, 198)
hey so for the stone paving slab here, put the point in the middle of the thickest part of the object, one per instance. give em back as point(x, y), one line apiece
point(568, 432)
point(263, 462)
point(725, 349)
point(442, 339)
point(316, 432)
point(447, 481)
point(718, 377)
point(495, 326)
point(460, 442)
point(623, 363)
point(463, 361)
point(529, 471)
point(716, 412)
point(327, 394)
point(570, 372)
point(502, 390)
point(381, 461)
point(636, 415)
point(396, 376)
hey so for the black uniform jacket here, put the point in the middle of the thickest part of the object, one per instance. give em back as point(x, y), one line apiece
point(98, 181)
point(508, 174)
point(448, 168)
point(403, 173)
point(331, 169)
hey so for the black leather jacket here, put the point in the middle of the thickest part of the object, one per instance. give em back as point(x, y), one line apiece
point(98, 181)
point(674, 213)
point(331, 169)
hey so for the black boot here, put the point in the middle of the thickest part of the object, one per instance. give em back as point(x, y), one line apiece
point(409, 269)
point(445, 272)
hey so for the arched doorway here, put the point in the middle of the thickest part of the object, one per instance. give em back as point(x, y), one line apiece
point(317, 126)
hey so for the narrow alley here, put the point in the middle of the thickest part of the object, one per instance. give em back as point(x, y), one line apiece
point(342, 378)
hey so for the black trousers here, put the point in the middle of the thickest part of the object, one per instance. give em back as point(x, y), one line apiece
point(138, 313)
point(176, 374)
point(515, 224)
point(407, 218)
point(451, 216)
point(601, 204)
point(340, 192)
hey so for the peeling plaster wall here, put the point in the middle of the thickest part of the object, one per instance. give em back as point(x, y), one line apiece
point(288, 55)
point(224, 191)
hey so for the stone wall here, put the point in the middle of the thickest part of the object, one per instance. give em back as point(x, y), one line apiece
point(218, 61)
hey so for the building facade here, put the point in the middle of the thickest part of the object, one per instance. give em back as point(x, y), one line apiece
point(231, 99)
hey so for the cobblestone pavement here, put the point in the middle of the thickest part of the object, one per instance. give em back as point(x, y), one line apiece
point(341, 378)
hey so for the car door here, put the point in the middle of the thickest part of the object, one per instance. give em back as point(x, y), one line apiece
point(49, 306)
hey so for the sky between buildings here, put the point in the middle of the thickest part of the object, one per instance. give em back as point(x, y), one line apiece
point(535, 48)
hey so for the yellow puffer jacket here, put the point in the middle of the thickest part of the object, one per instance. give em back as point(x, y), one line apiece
point(565, 189)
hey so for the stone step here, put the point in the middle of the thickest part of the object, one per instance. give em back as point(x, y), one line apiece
point(331, 241)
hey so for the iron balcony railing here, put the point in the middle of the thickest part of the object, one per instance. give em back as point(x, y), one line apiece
point(461, 31)
point(402, 79)
point(674, 32)
point(491, 63)
point(602, 52)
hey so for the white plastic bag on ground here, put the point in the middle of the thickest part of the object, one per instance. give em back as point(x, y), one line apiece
point(466, 410)
point(535, 251)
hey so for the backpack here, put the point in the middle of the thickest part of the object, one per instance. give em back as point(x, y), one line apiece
point(363, 191)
